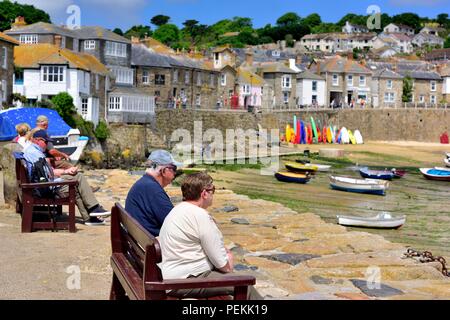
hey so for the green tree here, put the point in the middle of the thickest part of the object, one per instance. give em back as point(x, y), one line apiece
point(63, 104)
point(10, 10)
point(447, 43)
point(313, 20)
point(325, 28)
point(443, 20)
point(239, 24)
point(167, 34)
point(118, 31)
point(139, 31)
point(160, 20)
point(288, 19)
point(102, 131)
point(409, 19)
point(354, 19)
point(407, 89)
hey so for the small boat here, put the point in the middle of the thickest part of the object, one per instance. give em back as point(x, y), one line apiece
point(370, 186)
point(435, 174)
point(292, 177)
point(447, 162)
point(399, 173)
point(300, 168)
point(320, 167)
point(376, 174)
point(381, 221)
point(442, 169)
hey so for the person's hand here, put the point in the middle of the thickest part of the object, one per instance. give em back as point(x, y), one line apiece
point(71, 171)
point(66, 157)
point(230, 258)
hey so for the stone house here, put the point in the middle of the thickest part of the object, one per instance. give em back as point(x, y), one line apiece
point(227, 85)
point(423, 39)
point(427, 86)
point(445, 74)
point(347, 81)
point(7, 45)
point(399, 28)
point(399, 41)
point(223, 56)
point(46, 70)
point(42, 32)
point(387, 89)
point(311, 89)
point(250, 88)
point(282, 81)
point(438, 55)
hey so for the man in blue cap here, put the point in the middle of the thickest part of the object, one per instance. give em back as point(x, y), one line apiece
point(147, 201)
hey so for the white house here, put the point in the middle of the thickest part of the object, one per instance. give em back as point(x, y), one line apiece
point(399, 28)
point(46, 70)
point(445, 74)
point(398, 41)
point(353, 28)
point(311, 89)
point(432, 40)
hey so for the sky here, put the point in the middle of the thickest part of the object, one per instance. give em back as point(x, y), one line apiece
point(126, 13)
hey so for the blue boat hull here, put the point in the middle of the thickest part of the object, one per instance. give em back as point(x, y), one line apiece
point(365, 174)
point(284, 178)
point(377, 192)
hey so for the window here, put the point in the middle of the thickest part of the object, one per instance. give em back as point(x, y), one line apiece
point(28, 38)
point(123, 75)
point(216, 58)
point(145, 77)
point(199, 79)
point(175, 76)
point(433, 99)
point(286, 97)
point(157, 93)
point(389, 84)
point(362, 81)
point(422, 98)
point(314, 86)
point(314, 99)
point(246, 89)
point(223, 79)
point(4, 58)
point(198, 100)
point(286, 82)
point(115, 103)
point(160, 79)
point(433, 85)
point(89, 45)
point(116, 49)
point(275, 53)
point(389, 97)
point(52, 74)
point(335, 80)
point(84, 107)
point(350, 80)
point(187, 77)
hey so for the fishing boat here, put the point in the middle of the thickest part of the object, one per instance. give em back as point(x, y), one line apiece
point(435, 174)
point(371, 186)
point(300, 168)
point(292, 177)
point(381, 221)
point(398, 173)
point(376, 174)
point(320, 167)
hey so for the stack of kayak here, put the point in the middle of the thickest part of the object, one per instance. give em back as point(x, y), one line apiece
point(312, 133)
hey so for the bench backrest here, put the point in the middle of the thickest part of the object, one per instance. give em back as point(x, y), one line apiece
point(141, 249)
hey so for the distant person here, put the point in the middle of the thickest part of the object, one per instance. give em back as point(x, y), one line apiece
point(191, 243)
point(60, 159)
point(147, 201)
point(90, 209)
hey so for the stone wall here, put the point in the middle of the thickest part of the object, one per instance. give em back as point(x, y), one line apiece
point(7, 167)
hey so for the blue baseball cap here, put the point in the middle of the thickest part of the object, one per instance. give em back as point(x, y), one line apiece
point(43, 135)
point(162, 158)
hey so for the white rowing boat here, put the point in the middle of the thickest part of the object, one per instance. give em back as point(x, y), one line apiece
point(359, 185)
point(383, 220)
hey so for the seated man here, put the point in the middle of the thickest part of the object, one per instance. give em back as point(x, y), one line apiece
point(192, 244)
point(87, 204)
point(147, 201)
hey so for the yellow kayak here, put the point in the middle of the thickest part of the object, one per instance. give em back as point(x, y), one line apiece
point(299, 167)
point(351, 137)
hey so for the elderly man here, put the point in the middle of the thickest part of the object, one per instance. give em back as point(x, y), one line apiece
point(90, 209)
point(56, 155)
point(192, 244)
point(147, 201)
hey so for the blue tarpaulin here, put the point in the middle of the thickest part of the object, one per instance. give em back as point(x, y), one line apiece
point(12, 117)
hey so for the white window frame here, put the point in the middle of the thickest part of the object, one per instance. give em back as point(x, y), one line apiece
point(335, 79)
point(29, 38)
point(84, 107)
point(433, 86)
point(58, 71)
point(115, 104)
point(316, 85)
point(123, 75)
point(433, 99)
point(286, 82)
point(89, 44)
point(389, 97)
point(362, 81)
point(422, 98)
point(223, 79)
point(145, 77)
point(350, 80)
point(116, 49)
point(389, 84)
point(198, 99)
point(286, 96)
point(246, 89)
point(5, 58)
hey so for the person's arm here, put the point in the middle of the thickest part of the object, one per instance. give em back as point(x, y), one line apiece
point(230, 263)
point(58, 154)
point(211, 240)
point(161, 206)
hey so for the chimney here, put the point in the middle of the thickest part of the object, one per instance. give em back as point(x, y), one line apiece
point(318, 67)
point(299, 59)
point(135, 40)
point(18, 22)
point(350, 55)
point(58, 40)
point(249, 58)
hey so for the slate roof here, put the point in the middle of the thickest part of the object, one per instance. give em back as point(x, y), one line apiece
point(309, 75)
point(33, 55)
point(99, 33)
point(42, 28)
point(341, 65)
point(275, 67)
point(421, 75)
point(386, 74)
point(246, 76)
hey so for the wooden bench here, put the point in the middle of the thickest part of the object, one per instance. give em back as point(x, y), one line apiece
point(136, 275)
point(28, 205)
